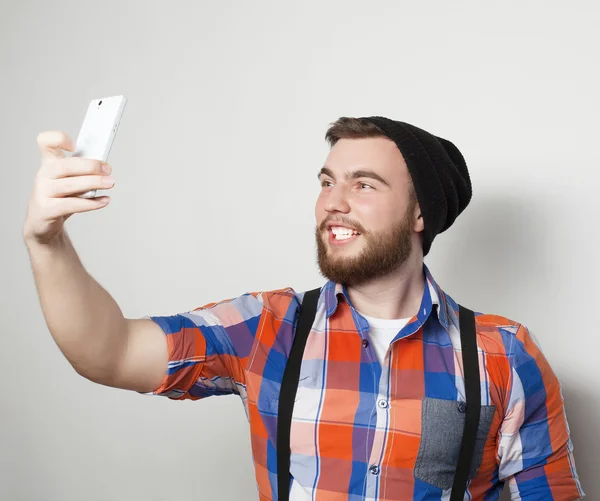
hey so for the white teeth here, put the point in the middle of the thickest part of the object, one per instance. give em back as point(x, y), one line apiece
point(342, 233)
point(341, 229)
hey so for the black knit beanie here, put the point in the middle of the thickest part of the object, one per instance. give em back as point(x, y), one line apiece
point(438, 171)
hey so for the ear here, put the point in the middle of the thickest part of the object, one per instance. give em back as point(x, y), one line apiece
point(419, 222)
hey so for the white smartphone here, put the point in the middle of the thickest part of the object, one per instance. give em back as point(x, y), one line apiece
point(98, 131)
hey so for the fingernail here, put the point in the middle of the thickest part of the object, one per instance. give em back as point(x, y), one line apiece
point(108, 180)
point(106, 168)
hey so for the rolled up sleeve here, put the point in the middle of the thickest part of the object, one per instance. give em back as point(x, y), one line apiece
point(209, 347)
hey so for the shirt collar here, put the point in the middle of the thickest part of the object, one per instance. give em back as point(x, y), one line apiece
point(434, 298)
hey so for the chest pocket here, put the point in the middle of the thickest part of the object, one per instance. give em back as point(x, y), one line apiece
point(442, 426)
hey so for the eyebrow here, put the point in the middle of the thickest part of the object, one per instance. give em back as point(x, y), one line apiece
point(354, 175)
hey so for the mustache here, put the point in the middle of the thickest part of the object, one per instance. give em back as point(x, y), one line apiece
point(343, 221)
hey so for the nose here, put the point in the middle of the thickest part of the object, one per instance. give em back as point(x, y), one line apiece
point(337, 201)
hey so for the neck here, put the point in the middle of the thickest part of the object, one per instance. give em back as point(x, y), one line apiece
point(397, 295)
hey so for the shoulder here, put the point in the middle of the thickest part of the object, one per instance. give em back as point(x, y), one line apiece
point(254, 303)
point(496, 333)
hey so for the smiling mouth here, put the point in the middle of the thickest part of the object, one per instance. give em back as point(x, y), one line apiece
point(340, 233)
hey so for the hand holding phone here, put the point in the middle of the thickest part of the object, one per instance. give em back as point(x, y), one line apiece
point(63, 185)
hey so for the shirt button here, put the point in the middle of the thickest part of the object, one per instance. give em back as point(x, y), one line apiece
point(462, 407)
point(374, 470)
point(383, 404)
point(365, 343)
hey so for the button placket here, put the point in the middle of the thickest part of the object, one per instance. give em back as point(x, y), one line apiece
point(381, 404)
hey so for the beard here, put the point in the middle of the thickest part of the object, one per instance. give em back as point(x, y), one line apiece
point(383, 253)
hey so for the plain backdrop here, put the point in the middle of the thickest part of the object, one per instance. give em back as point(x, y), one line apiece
point(215, 165)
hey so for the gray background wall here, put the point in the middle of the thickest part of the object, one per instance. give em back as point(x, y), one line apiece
point(215, 165)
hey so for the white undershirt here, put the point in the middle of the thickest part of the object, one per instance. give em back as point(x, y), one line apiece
point(381, 333)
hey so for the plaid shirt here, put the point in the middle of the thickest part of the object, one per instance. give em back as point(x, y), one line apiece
point(366, 431)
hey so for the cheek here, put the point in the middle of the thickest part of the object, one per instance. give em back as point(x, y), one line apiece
point(375, 216)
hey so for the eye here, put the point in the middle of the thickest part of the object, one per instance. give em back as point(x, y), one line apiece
point(324, 183)
point(365, 184)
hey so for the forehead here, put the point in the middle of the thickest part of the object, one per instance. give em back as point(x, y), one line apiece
point(378, 154)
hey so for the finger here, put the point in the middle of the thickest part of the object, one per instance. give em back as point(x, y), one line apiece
point(52, 143)
point(68, 186)
point(73, 205)
point(75, 166)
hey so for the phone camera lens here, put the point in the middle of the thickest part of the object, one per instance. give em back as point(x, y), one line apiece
point(99, 103)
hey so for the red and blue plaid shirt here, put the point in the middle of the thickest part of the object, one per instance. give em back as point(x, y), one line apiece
point(366, 431)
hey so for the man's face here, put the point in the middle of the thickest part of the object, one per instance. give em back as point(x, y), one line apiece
point(366, 226)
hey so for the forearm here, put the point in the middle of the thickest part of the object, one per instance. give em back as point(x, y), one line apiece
point(83, 318)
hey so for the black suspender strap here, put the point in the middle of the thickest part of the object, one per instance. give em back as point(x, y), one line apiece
point(468, 341)
point(289, 387)
point(287, 394)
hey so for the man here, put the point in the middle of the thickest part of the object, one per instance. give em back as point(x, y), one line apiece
point(381, 388)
